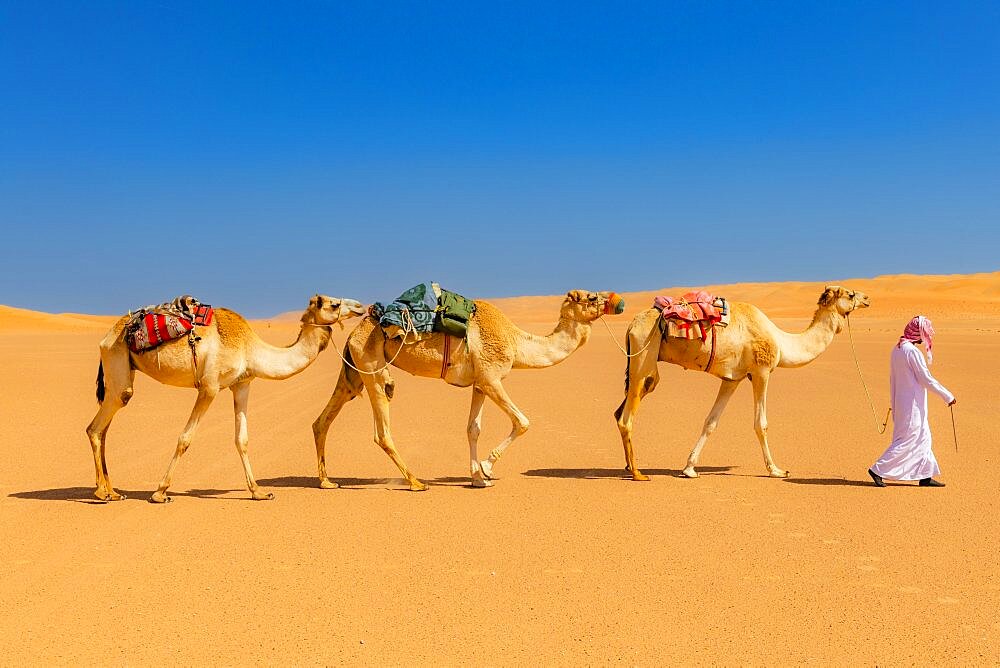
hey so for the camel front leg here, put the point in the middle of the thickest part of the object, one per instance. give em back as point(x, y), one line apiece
point(376, 387)
point(519, 425)
point(201, 404)
point(241, 397)
point(711, 422)
point(348, 387)
point(759, 381)
point(474, 427)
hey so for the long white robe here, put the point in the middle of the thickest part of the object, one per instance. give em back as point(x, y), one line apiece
point(909, 457)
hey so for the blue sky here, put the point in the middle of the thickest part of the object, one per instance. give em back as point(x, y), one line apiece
point(255, 153)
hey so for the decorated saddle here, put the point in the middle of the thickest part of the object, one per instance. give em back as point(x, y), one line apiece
point(152, 326)
point(693, 315)
point(422, 310)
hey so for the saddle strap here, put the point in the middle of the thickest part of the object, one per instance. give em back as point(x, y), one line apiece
point(446, 357)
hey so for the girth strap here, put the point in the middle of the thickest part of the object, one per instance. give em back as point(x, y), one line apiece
point(446, 357)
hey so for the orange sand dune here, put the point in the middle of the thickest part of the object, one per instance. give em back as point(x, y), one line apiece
point(562, 562)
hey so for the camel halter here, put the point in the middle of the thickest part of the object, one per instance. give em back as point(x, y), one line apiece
point(854, 352)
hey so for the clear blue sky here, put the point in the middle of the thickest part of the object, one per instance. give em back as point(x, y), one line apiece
point(254, 153)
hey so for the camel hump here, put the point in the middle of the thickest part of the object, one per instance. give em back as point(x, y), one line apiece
point(234, 330)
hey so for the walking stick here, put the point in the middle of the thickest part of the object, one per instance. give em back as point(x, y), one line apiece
point(954, 431)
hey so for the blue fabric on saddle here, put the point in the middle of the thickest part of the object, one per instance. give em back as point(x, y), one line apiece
point(425, 308)
point(414, 307)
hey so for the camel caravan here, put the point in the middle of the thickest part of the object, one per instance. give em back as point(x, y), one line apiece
point(434, 333)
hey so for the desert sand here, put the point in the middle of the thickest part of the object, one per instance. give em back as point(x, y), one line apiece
point(562, 561)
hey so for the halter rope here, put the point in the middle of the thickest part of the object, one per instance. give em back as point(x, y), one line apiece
point(854, 352)
point(624, 352)
point(411, 329)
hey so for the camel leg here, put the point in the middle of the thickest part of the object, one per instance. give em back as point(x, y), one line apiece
point(348, 387)
point(759, 382)
point(97, 432)
point(627, 410)
point(475, 419)
point(205, 397)
point(118, 379)
point(241, 397)
point(378, 396)
point(711, 422)
point(519, 425)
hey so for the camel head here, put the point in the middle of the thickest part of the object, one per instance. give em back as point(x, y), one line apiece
point(843, 300)
point(324, 310)
point(585, 306)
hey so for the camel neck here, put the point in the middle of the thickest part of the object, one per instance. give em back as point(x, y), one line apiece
point(802, 348)
point(277, 363)
point(538, 352)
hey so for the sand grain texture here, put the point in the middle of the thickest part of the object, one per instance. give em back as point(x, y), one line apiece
point(563, 561)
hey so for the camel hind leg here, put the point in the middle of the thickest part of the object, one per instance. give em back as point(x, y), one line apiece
point(641, 378)
point(711, 422)
point(378, 393)
point(349, 386)
point(114, 382)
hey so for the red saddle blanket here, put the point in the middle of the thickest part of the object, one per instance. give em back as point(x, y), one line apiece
point(155, 325)
point(156, 328)
point(692, 315)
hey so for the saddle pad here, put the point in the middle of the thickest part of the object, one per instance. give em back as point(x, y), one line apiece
point(693, 315)
point(156, 328)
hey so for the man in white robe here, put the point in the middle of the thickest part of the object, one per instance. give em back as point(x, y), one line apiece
point(909, 456)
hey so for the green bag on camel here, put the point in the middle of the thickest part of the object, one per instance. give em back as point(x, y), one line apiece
point(453, 313)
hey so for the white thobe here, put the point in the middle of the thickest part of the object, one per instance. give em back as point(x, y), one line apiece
point(909, 457)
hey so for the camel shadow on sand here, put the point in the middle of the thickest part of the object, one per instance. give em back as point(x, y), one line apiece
point(86, 494)
point(361, 483)
point(604, 473)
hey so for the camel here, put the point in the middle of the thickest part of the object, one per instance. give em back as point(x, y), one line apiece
point(229, 354)
point(493, 346)
point(751, 346)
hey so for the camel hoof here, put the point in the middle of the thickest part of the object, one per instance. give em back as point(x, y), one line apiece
point(160, 497)
point(481, 482)
point(639, 475)
point(778, 473)
point(105, 497)
point(689, 472)
point(262, 496)
point(417, 486)
point(487, 469)
point(326, 483)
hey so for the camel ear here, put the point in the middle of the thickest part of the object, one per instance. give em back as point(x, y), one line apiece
point(574, 296)
point(828, 297)
point(312, 302)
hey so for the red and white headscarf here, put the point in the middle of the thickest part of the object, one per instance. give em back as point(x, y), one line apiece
point(919, 329)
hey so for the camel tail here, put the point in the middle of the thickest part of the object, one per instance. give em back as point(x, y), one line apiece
point(100, 382)
point(628, 350)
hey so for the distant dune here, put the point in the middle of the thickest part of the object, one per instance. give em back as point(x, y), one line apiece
point(957, 296)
